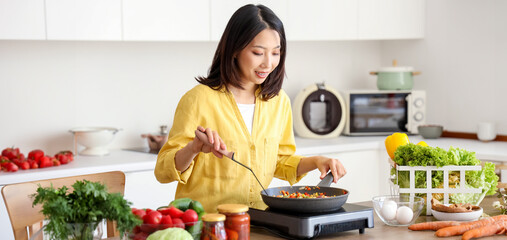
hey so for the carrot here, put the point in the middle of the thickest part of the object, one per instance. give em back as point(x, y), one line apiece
point(462, 228)
point(488, 230)
point(432, 225)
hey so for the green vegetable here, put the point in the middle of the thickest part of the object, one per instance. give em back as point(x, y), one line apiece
point(170, 234)
point(181, 203)
point(88, 203)
point(195, 230)
point(197, 206)
point(416, 155)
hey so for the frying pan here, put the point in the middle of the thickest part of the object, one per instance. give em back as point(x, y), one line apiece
point(336, 196)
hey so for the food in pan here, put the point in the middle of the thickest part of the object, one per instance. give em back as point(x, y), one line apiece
point(286, 194)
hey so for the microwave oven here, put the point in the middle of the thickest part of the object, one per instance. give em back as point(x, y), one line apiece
point(383, 112)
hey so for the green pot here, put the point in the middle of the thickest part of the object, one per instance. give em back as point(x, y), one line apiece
point(395, 78)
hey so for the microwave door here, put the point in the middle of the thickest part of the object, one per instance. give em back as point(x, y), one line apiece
point(378, 114)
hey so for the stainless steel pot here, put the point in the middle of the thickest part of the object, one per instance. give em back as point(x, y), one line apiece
point(395, 78)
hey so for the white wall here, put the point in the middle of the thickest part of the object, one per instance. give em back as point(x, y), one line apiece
point(463, 58)
point(49, 87)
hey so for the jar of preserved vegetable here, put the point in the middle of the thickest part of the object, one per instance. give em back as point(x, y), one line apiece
point(237, 221)
point(213, 228)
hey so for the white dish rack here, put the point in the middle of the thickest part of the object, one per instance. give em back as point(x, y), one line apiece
point(429, 190)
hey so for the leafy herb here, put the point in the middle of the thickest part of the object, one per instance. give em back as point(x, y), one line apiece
point(89, 203)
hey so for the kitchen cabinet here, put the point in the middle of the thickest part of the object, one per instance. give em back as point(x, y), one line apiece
point(162, 20)
point(84, 19)
point(222, 10)
point(322, 20)
point(390, 19)
point(22, 19)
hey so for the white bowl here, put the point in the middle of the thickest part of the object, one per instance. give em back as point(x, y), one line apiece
point(465, 216)
point(94, 139)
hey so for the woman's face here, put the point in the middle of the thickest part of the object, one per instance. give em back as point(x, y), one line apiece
point(259, 58)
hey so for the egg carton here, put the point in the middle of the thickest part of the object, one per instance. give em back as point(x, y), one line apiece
point(429, 190)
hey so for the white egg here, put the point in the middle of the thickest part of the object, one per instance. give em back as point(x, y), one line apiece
point(389, 209)
point(404, 215)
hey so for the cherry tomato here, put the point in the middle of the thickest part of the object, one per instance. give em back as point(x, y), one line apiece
point(139, 213)
point(166, 222)
point(35, 154)
point(174, 212)
point(153, 217)
point(10, 153)
point(177, 222)
point(190, 217)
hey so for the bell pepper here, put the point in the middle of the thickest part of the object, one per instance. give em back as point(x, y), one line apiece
point(394, 141)
point(422, 143)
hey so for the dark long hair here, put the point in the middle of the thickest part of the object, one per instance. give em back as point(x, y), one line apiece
point(244, 25)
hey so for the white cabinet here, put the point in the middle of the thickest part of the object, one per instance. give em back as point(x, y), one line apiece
point(222, 10)
point(322, 20)
point(166, 20)
point(22, 19)
point(83, 19)
point(391, 19)
point(144, 191)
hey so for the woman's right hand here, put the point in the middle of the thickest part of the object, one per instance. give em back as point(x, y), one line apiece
point(216, 141)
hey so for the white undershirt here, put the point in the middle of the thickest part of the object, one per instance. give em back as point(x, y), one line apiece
point(247, 111)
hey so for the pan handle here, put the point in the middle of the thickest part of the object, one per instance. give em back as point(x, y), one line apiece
point(326, 181)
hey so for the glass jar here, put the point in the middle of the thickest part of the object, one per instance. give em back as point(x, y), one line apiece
point(213, 228)
point(237, 222)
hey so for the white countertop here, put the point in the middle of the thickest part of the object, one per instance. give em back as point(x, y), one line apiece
point(117, 160)
point(129, 161)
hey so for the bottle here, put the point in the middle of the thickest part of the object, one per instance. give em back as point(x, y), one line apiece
point(237, 221)
point(213, 228)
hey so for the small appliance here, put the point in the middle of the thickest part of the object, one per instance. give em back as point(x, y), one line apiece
point(319, 112)
point(383, 112)
point(309, 225)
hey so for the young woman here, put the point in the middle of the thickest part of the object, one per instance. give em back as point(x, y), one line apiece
point(241, 108)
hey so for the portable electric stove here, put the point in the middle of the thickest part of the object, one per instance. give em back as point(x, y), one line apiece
point(310, 225)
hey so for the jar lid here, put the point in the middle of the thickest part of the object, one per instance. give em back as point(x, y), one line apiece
point(232, 208)
point(213, 217)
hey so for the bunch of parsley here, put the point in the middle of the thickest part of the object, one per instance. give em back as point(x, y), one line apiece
point(88, 203)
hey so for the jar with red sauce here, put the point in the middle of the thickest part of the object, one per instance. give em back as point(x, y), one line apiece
point(213, 228)
point(237, 221)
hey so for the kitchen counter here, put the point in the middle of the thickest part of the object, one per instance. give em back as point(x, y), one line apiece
point(117, 160)
point(383, 231)
point(130, 161)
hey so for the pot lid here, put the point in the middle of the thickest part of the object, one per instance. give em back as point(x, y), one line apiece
point(396, 68)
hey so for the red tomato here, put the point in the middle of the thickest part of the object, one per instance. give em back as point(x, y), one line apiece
point(45, 161)
point(174, 212)
point(55, 162)
point(11, 167)
point(10, 153)
point(34, 165)
point(148, 210)
point(139, 213)
point(35, 154)
point(69, 154)
point(231, 234)
point(190, 217)
point(177, 222)
point(152, 217)
point(164, 211)
point(24, 165)
point(166, 222)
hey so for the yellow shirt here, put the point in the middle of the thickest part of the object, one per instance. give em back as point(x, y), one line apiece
point(268, 151)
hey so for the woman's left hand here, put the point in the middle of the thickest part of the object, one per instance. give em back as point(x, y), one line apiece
point(324, 164)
